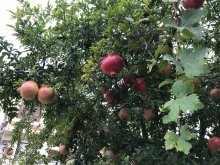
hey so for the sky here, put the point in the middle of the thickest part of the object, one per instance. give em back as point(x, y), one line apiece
point(5, 18)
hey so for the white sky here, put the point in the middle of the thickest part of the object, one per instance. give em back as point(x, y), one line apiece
point(5, 17)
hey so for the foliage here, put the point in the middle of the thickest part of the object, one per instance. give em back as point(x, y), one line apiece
point(64, 45)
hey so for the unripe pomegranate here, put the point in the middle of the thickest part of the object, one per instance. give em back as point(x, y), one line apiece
point(214, 144)
point(28, 90)
point(148, 115)
point(63, 150)
point(140, 85)
point(46, 95)
point(192, 4)
point(109, 96)
point(215, 94)
point(112, 64)
point(124, 113)
point(167, 69)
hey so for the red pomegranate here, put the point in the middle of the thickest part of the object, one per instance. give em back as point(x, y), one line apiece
point(46, 95)
point(215, 94)
point(127, 80)
point(140, 85)
point(214, 144)
point(167, 69)
point(109, 96)
point(28, 90)
point(63, 150)
point(112, 64)
point(192, 4)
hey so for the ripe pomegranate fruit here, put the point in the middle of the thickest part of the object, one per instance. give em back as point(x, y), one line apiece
point(214, 144)
point(63, 150)
point(215, 94)
point(124, 113)
point(192, 4)
point(127, 80)
point(140, 85)
point(109, 96)
point(112, 64)
point(166, 71)
point(46, 95)
point(28, 90)
point(148, 115)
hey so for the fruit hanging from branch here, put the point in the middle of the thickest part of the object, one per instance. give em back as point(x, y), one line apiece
point(166, 71)
point(215, 94)
point(124, 113)
point(214, 144)
point(127, 80)
point(112, 64)
point(63, 150)
point(109, 96)
point(46, 95)
point(148, 115)
point(140, 85)
point(28, 90)
point(192, 4)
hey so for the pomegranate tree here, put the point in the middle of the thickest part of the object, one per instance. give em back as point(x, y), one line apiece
point(112, 64)
point(28, 90)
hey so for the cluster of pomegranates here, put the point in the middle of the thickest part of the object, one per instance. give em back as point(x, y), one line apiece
point(214, 144)
point(148, 114)
point(192, 4)
point(113, 64)
point(29, 90)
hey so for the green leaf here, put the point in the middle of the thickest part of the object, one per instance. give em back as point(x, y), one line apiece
point(181, 88)
point(170, 140)
point(180, 142)
point(183, 145)
point(165, 82)
point(171, 23)
point(183, 102)
point(190, 17)
point(188, 20)
point(162, 49)
point(193, 61)
point(173, 115)
point(196, 31)
point(185, 133)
